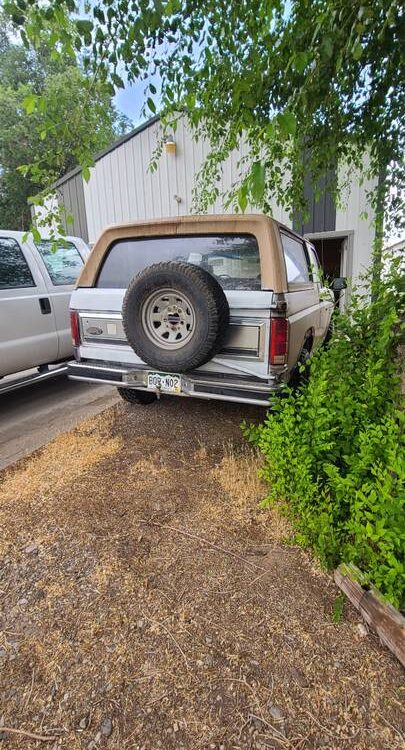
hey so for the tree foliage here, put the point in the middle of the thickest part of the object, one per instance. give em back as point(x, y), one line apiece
point(52, 118)
point(308, 84)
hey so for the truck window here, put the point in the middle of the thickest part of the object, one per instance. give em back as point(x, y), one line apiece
point(314, 263)
point(14, 269)
point(295, 260)
point(233, 260)
point(63, 263)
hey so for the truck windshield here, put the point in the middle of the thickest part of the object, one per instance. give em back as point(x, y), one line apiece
point(232, 259)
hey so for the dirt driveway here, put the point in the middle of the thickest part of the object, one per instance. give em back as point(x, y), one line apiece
point(146, 602)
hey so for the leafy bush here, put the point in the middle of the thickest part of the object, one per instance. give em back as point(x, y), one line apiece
point(334, 448)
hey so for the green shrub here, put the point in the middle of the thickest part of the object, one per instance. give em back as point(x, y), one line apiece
point(334, 448)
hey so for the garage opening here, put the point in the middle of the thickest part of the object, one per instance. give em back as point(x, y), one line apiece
point(331, 252)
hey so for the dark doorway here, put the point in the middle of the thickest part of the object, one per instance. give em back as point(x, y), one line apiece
point(330, 251)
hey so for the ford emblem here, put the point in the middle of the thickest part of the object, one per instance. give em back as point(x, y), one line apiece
point(94, 331)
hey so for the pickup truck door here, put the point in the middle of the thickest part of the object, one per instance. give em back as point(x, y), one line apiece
point(28, 335)
point(61, 267)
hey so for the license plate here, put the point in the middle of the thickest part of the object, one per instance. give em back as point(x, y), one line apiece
point(164, 382)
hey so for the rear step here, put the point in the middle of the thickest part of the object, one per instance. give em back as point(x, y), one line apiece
point(14, 385)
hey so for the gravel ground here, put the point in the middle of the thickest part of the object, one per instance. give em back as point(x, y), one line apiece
point(147, 603)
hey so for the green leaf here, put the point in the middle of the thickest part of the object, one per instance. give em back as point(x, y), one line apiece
point(84, 27)
point(327, 46)
point(300, 61)
point(357, 50)
point(117, 81)
point(151, 104)
point(242, 198)
point(258, 182)
point(29, 103)
point(86, 174)
point(287, 122)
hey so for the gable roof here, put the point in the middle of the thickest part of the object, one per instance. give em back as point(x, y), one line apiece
point(109, 149)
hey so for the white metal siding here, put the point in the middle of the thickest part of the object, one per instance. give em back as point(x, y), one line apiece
point(350, 217)
point(122, 189)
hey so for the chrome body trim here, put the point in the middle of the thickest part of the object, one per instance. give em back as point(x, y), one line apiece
point(29, 379)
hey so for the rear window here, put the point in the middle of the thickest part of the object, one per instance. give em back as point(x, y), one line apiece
point(63, 263)
point(296, 262)
point(232, 259)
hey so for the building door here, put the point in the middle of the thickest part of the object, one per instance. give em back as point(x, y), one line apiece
point(334, 253)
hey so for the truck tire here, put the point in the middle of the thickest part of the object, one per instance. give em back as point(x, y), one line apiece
point(175, 316)
point(133, 396)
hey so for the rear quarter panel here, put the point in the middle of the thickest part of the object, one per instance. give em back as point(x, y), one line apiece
point(303, 311)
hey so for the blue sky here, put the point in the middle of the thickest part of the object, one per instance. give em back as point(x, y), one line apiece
point(130, 101)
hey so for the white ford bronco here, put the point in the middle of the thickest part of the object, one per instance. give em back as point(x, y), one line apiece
point(217, 307)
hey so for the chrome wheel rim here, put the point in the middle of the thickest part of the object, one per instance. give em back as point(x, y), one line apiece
point(168, 318)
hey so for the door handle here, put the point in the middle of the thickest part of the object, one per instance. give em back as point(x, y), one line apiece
point(45, 305)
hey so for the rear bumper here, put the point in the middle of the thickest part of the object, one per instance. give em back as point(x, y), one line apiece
point(241, 389)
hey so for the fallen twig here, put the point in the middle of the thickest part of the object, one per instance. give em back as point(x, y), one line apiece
point(30, 690)
point(259, 577)
point(161, 625)
point(279, 736)
point(331, 734)
point(31, 735)
point(203, 541)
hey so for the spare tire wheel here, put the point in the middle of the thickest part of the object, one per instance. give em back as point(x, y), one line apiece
point(175, 316)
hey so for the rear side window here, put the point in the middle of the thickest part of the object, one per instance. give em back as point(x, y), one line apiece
point(14, 269)
point(315, 266)
point(232, 259)
point(296, 262)
point(63, 263)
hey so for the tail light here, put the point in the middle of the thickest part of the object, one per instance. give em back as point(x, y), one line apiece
point(74, 327)
point(278, 341)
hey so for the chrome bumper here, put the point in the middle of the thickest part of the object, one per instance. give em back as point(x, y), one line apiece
point(247, 390)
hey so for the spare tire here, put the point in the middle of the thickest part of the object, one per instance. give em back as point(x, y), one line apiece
point(175, 316)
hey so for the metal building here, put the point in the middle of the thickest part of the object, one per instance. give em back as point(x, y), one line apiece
point(122, 189)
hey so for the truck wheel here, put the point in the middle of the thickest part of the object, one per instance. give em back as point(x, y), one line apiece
point(175, 316)
point(297, 377)
point(132, 396)
point(329, 334)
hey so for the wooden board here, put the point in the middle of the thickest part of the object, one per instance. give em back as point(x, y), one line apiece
point(387, 622)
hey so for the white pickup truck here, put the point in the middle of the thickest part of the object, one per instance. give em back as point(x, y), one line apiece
point(36, 283)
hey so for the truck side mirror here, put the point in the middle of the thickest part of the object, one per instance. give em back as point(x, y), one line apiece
point(339, 284)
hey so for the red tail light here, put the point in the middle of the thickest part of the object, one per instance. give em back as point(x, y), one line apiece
point(74, 327)
point(278, 341)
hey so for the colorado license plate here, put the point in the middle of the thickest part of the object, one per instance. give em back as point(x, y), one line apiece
point(164, 382)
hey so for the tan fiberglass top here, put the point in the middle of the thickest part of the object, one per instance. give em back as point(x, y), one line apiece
point(262, 227)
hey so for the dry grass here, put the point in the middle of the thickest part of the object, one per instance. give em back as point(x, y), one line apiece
point(69, 455)
point(147, 472)
point(238, 476)
point(181, 645)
